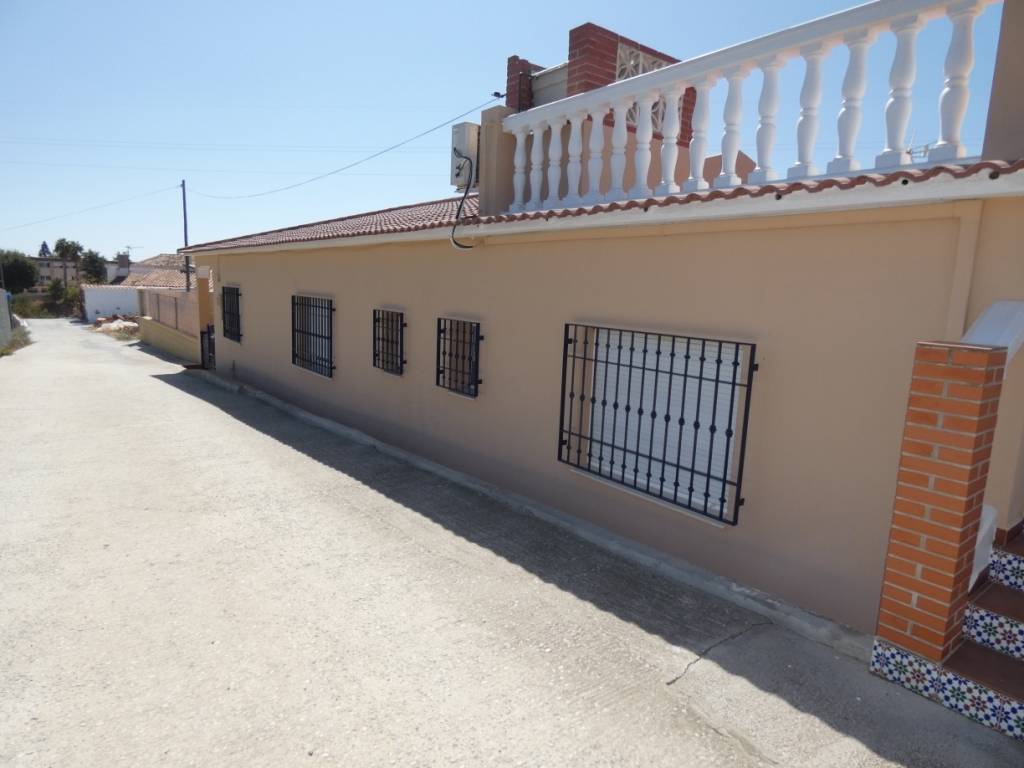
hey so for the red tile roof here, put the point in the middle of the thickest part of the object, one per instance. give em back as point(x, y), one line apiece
point(162, 261)
point(441, 213)
point(404, 218)
point(156, 278)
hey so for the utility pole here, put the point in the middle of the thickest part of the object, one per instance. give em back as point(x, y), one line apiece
point(184, 217)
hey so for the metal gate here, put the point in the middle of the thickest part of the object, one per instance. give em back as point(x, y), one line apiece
point(207, 347)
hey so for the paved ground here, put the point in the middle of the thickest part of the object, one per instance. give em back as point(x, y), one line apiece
point(190, 577)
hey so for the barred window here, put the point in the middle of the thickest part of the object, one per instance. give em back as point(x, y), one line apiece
point(231, 314)
point(663, 415)
point(389, 341)
point(313, 334)
point(458, 356)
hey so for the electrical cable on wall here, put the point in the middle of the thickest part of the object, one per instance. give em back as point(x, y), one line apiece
point(465, 193)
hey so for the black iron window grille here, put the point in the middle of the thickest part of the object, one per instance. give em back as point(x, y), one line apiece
point(313, 334)
point(458, 356)
point(389, 341)
point(230, 313)
point(663, 415)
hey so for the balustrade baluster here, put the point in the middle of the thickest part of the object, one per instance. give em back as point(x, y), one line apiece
point(618, 158)
point(955, 94)
point(732, 114)
point(699, 140)
point(536, 167)
point(767, 107)
point(595, 155)
point(807, 124)
point(554, 162)
point(670, 142)
point(573, 167)
point(519, 173)
point(855, 84)
point(901, 82)
point(642, 155)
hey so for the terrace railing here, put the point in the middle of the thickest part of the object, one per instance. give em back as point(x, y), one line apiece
point(543, 179)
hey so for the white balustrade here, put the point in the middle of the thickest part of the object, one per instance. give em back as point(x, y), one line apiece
point(661, 91)
point(767, 108)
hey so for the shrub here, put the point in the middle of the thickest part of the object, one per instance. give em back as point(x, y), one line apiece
point(19, 339)
point(30, 306)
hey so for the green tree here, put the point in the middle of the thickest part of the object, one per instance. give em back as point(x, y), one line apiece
point(94, 268)
point(44, 251)
point(56, 291)
point(19, 273)
point(68, 251)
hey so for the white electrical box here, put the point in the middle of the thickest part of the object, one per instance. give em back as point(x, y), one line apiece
point(465, 138)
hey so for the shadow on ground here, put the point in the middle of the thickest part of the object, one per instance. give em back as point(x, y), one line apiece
point(836, 690)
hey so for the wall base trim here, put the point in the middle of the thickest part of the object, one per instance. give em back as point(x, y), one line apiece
point(841, 638)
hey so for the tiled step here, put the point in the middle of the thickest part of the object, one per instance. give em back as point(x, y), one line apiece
point(995, 619)
point(986, 686)
point(982, 684)
point(1007, 566)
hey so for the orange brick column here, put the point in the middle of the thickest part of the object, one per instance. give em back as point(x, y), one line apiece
point(947, 441)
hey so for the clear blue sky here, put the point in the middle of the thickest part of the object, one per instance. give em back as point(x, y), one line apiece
point(105, 100)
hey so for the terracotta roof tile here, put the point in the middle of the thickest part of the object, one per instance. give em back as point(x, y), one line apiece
point(162, 261)
point(405, 218)
point(441, 213)
point(156, 278)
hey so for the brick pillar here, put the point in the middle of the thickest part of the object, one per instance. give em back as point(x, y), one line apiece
point(593, 58)
point(947, 442)
point(519, 83)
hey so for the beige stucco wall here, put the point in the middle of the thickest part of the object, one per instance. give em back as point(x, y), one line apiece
point(835, 303)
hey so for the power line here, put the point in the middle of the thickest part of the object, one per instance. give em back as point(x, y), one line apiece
point(357, 162)
point(91, 208)
point(200, 147)
point(202, 170)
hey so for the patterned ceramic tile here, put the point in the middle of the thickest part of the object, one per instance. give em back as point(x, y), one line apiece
point(998, 632)
point(1007, 569)
point(1012, 722)
point(972, 699)
point(906, 669)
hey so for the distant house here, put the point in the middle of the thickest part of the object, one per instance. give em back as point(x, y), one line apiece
point(167, 270)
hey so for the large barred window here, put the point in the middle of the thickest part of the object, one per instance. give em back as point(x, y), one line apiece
point(663, 415)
